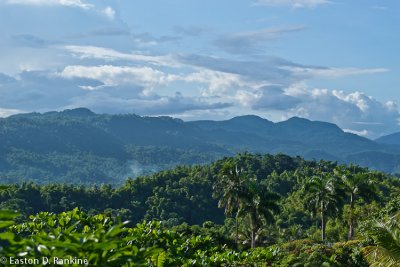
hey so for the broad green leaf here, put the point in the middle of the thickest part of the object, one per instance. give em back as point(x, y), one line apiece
point(8, 215)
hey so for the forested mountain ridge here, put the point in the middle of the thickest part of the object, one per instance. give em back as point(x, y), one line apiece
point(81, 146)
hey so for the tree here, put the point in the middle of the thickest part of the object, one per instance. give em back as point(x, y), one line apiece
point(259, 206)
point(322, 196)
point(386, 251)
point(230, 188)
point(356, 183)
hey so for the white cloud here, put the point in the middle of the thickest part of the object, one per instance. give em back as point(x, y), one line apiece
point(109, 12)
point(111, 75)
point(108, 54)
point(353, 111)
point(361, 133)
point(99, 76)
point(293, 3)
point(218, 82)
point(274, 97)
point(70, 3)
point(8, 112)
point(246, 98)
point(358, 99)
point(44, 91)
point(266, 70)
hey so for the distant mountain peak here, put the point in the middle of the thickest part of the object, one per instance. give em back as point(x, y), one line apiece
point(302, 122)
point(391, 139)
point(299, 119)
point(78, 112)
point(253, 118)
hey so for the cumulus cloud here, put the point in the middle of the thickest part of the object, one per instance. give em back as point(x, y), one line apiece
point(69, 3)
point(216, 83)
point(274, 97)
point(222, 77)
point(44, 91)
point(108, 80)
point(246, 98)
point(354, 111)
point(110, 75)
point(251, 41)
point(293, 3)
point(219, 83)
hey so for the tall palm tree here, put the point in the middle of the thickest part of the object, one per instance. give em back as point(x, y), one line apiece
point(356, 183)
point(259, 205)
point(386, 251)
point(230, 188)
point(322, 196)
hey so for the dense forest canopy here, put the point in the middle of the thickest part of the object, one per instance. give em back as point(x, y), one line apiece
point(276, 210)
point(81, 147)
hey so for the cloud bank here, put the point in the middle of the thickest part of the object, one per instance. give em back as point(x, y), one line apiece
point(129, 82)
point(355, 112)
point(96, 58)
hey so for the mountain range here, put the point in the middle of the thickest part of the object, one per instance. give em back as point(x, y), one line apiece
point(78, 145)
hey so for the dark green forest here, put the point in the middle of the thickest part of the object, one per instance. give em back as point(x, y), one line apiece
point(245, 210)
point(81, 147)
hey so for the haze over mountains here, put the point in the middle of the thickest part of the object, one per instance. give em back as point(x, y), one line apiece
point(81, 146)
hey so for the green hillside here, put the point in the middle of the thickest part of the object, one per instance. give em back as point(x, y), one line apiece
point(83, 147)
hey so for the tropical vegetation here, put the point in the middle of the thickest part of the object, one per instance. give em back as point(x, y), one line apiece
point(81, 147)
point(246, 210)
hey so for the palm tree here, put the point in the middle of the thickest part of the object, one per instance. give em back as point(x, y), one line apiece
point(322, 195)
point(260, 205)
point(231, 191)
point(356, 185)
point(386, 251)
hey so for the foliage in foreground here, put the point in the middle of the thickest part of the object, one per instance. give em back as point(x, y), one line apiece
point(104, 241)
point(386, 250)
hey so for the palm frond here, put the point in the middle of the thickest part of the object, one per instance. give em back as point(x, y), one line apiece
point(386, 236)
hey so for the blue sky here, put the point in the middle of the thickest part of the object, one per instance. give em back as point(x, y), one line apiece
point(326, 60)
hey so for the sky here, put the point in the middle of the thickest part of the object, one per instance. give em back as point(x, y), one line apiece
point(327, 60)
